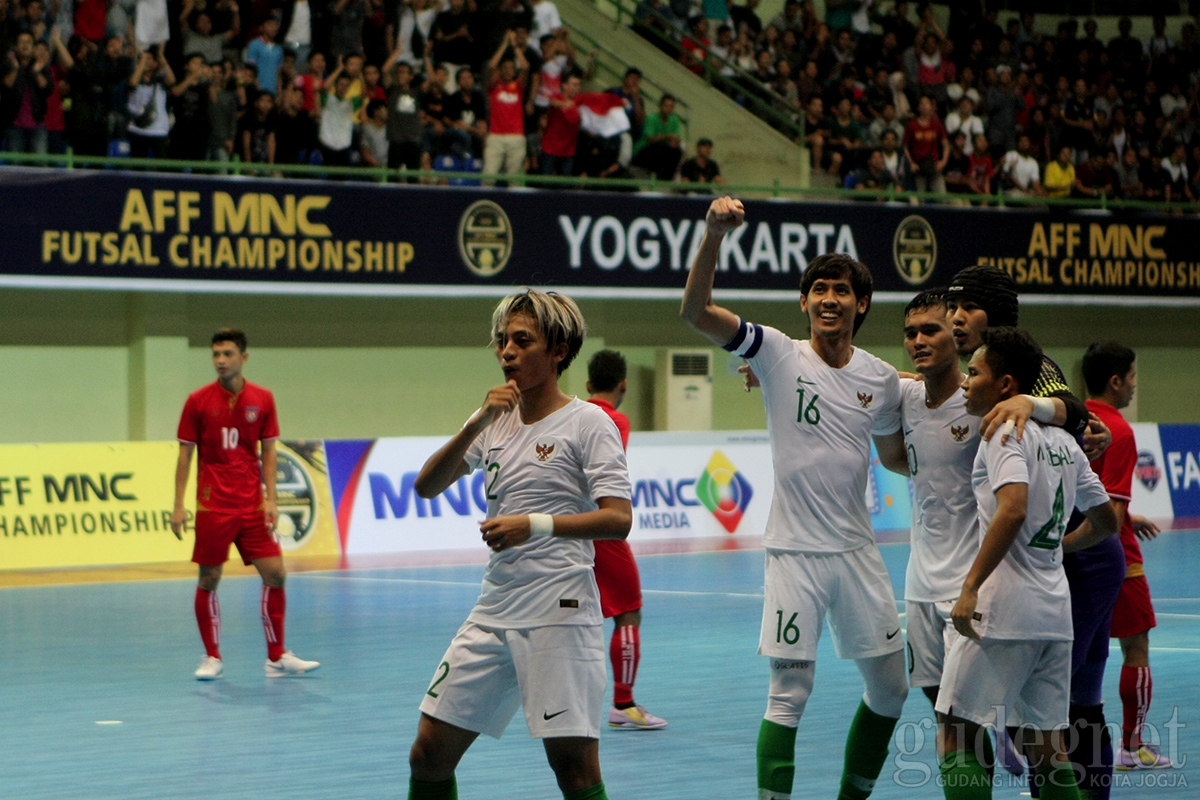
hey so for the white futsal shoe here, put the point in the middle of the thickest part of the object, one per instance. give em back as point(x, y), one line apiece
point(289, 665)
point(210, 669)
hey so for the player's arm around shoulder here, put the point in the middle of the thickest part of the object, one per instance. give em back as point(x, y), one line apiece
point(449, 463)
point(888, 429)
point(698, 310)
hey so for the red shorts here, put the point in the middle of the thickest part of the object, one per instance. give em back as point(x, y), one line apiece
point(215, 531)
point(617, 577)
point(1133, 613)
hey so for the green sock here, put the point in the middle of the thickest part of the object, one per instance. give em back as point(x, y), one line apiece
point(963, 777)
point(432, 790)
point(866, 750)
point(592, 793)
point(776, 757)
point(1058, 781)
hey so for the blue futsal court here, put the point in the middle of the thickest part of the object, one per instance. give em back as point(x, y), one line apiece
point(98, 699)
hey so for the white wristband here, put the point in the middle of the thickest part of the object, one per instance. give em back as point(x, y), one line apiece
point(541, 526)
point(1043, 410)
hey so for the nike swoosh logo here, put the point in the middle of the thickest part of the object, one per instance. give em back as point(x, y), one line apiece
point(892, 635)
point(555, 714)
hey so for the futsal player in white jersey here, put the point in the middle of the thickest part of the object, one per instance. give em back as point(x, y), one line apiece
point(937, 452)
point(555, 478)
point(824, 399)
point(1014, 611)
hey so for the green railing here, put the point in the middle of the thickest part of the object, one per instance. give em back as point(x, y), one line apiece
point(614, 67)
point(777, 190)
point(760, 100)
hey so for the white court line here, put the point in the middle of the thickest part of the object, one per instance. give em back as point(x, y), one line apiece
point(758, 595)
point(344, 577)
point(341, 576)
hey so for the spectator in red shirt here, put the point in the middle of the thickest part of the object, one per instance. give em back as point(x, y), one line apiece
point(694, 48)
point(312, 82)
point(227, 421)
point(982, 169)
point(504, 148)
point(926, 147)
point(562, 130)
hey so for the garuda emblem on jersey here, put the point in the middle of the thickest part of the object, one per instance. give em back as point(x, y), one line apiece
point(864, 400)
point(544, 451)
point(960, 434)
point(251, 413)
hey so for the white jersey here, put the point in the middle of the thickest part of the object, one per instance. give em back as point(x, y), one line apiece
point(820, 420)
point(941, 444)
point(558, 465)
point(1027, 596)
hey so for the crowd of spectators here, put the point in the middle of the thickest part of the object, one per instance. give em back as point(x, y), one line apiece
point(492, 85)
point(883, 96)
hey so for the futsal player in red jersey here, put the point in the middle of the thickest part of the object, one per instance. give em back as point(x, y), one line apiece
point(616, 571)
point(1110, 370)
point(228, 420)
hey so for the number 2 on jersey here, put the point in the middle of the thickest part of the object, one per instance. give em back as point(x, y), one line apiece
point(494, 468)
point(808, 413)
point(229, 438)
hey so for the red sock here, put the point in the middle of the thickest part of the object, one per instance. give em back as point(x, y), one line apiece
point(625, 650)
point(274, 606)
point(208, 618)
point(1135, 689)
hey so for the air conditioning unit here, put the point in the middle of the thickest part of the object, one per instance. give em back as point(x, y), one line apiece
point(683, 391)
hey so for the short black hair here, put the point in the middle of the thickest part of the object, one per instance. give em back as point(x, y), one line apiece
point(666, 96)
point(230, 335)
point(930, 298)
point(374, 106)
point(836, 266)
point(606, 370)
point(1103, 360)
point(1012, 351)
point(633, 71)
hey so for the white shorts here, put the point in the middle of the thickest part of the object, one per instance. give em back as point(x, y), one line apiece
point(851, 589)
point(1029, 681)
point(555, 672)
point(930, 633)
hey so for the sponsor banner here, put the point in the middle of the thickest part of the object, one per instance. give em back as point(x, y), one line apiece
point(72, 505)
point(155, 232)
point(1151, 495)
point(1181, 467)
point(685, 485)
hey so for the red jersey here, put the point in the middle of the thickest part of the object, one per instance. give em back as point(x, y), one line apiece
point(562, 129)
point(507, 102)
point(1115, 468)
point(923, 141)
point(226, 430)
point(616, 416)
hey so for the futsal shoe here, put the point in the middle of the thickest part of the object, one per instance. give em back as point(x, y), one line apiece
point(210, 669)
point(634, 718)
point(289, 666)
point(1146, 756)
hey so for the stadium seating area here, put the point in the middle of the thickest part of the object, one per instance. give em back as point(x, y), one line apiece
point(881, 94)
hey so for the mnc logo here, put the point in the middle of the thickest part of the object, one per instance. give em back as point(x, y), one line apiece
point(724, 491)
point(465, 497)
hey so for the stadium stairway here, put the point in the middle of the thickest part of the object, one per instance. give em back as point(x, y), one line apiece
point(749, 151)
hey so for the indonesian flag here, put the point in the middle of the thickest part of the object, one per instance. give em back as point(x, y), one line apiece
point(602, 114)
